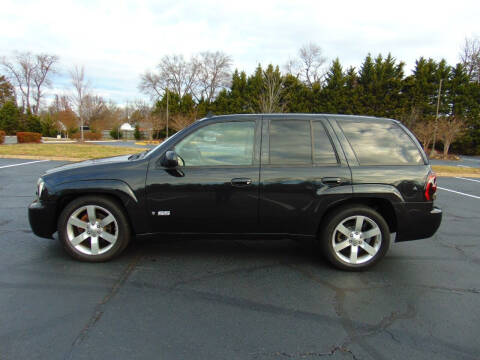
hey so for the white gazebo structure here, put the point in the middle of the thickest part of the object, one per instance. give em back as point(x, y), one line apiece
point(127, 131)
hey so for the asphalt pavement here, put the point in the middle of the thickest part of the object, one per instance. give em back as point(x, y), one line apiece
point(214, 299)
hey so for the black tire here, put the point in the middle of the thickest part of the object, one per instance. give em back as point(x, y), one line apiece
point(103, 206)
point(343, 259)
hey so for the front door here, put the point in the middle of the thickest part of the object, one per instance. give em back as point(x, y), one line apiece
point(215, 188)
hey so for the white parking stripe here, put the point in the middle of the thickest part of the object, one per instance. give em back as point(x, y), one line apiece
point(26, 163)
point(460, 193)
point(476, 160)
point(458, 177)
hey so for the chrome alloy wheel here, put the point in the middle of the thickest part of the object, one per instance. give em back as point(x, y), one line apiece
point(356, 239)
point(92, 230)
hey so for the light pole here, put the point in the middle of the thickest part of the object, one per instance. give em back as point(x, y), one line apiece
point(166, 134)
point(436, 118)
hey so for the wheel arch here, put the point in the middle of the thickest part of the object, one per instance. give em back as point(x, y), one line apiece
point(383, 206)
point(115, 190)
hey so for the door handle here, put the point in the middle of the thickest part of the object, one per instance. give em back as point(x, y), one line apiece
point(331, 180)
point(239, 182)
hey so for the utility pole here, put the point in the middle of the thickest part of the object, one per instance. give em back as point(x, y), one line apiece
point(436, 118)
point(81, 127)
point(166, 137)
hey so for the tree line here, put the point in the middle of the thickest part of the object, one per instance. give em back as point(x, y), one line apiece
point(439, 101)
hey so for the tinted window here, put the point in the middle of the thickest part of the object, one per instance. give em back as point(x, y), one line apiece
point(323, 152)
point(290, 142)
point(229, 143)
point(382, 143)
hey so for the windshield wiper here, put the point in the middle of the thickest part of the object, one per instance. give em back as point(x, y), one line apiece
point(141, 154)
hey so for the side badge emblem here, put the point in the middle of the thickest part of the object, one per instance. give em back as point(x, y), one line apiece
point(162, 213)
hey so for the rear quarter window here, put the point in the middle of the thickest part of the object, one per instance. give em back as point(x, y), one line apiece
point(381, 143)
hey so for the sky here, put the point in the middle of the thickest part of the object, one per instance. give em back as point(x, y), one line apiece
point(116, 41)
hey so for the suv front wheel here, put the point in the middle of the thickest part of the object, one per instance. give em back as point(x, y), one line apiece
point(354, 238)
point(93, 228)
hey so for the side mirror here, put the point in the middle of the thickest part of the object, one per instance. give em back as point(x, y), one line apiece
point(170, 159)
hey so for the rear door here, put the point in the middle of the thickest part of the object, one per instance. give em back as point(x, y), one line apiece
point(303, 171)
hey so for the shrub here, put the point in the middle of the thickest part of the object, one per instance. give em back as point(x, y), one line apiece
point(115, 133)
point(49, 125)
point(137, 133)
point(2, 136)
point(28, 137)
point(92, 136)
point(32, 123)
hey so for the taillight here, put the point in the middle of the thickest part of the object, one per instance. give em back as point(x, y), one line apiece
point(431, 187)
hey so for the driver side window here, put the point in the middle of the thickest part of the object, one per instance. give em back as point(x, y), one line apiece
point(227, 143)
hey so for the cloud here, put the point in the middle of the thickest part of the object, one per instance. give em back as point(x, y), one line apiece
point(118, 40)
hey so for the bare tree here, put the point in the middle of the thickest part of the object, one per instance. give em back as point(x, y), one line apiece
point(151, 84)
point(450, 129)
point(312, 62)
point(202, 76)
point(149, 121)
point(179, 75)
point(60, 103)
point(213, 74)
point(293, 67)
point(80, 91)
point(470, 57)
point(179, 121)
point(21, 73)
point(272, 91)
point(424, 132)
point(45, 66)
point(94, 108)
point(30, 73)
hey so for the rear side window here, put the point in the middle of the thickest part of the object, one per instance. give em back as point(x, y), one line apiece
point(382, 143)
point(290, 142)
point(323, 152)
point(297, 142)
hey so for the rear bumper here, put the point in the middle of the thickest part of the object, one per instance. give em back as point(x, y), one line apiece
point(42, 219)
point(417, 221)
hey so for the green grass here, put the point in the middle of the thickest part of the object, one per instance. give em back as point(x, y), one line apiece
point(443, 170)
point(64, 151)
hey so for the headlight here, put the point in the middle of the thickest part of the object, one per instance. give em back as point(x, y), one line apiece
point(40, 187)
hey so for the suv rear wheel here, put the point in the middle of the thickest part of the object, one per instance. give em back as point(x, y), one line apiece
point(355, 238)
point(93, 229)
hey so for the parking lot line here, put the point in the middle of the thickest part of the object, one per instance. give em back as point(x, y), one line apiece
point(459, 177)
point(26, 163)
point(460, 193)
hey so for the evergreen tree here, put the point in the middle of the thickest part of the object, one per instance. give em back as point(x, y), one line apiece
point(296, 96)
point(49, 125)
point(334, 97)
point(380, 86)
point(254, 90)
point(10, 118)
point(352, 93)
point(32, 123)
point(7, 91)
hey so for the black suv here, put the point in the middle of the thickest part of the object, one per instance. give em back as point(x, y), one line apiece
point(346, 182)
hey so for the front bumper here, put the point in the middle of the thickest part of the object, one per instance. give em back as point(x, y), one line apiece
point(417, 221)
point(42, 219)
